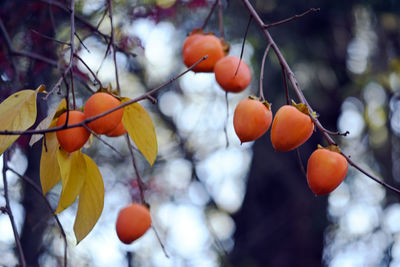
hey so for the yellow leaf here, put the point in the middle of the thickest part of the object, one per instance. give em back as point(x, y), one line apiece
point(73, 174)
point(140, 128)
point(49, 168)
point(17, 113)
point(91, 201)
point(48, 122)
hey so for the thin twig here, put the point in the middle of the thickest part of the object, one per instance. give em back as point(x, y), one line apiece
point(39, 191)
point(261, 93)
point(285, 85)
point(72, 89)
point(243, 43)
point(103, 141)
point(12, 51)
point(85, 23)
point(9, 212)
point(352, 163)
point(159, 241)
point(266, 26)
point(221, 19)
point(113, 46)
point(141, 184)
point(72, 49)
point(8, 45)
point(303, 170)
point(226, 120)
point(89, 69)
point(209, 15)
point(50, 38)
point(81, 42)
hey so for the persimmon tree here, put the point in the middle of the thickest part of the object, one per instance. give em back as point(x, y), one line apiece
point(62, 115)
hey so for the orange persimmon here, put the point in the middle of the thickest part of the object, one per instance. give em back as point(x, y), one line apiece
point(132, 222)
point(99, 103)
point(251, 119)
point(290, 128)
point(117, 131)
point(198, 45)
point(227, 77)
point(74, 138)
point(326, 169)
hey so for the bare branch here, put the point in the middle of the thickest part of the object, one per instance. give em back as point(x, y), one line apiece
point(49, 38)
point(291, 18)
point(103, 141)
point(39, 191)
point(90, 70)
point(9, 212)
point(113, 45)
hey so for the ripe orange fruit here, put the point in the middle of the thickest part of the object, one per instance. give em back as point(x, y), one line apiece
point(198, 45)
point(326, 169)
point(117, 131)
point(99, 103)
point(74, 138)
point(290, 128)
point(251, 119)
point(132, 222)
point(225, 70)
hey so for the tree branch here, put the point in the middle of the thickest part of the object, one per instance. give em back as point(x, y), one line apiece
point(39, 191)
point(9, 212)
point(266, 26)
point(300, 94)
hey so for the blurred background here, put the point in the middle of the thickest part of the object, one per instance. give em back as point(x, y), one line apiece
point(215, 202)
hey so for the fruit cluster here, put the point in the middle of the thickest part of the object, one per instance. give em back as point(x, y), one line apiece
point(292, 125)
point(231, 73)
point(73, 139)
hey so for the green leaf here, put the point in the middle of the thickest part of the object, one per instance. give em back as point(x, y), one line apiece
point(49, 168)
point(140, 128)
point(17, 113)
point(91, 201)
point(73, 174)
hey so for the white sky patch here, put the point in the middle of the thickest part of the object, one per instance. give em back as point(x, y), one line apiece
point(188, 234)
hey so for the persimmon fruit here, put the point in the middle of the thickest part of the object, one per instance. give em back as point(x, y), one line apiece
point(228, 78)
point(290, 128)
point(72, 139)
point(132, 222)
point(252, 118)
point(99, 103)
point(196, 46)
point(326, 169)
point(117, 131)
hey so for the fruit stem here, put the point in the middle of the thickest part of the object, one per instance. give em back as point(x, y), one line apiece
point(284, 76)
point(261, 93)
point(220, 19)
point(226, 120)
point(209, 15)
point(243, 43)
point(141, 185)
